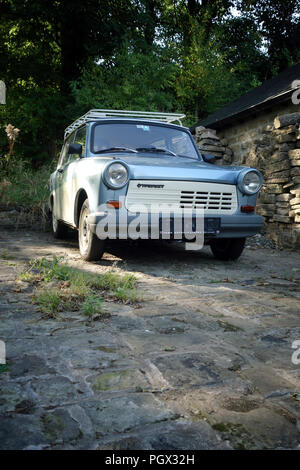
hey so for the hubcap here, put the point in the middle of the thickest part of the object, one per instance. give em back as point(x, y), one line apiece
point(84, 234)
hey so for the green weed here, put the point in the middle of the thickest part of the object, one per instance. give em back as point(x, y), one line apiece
point(75, 290)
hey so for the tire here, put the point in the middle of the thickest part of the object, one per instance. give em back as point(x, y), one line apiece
point(90, 246)
point(59, 229)
point(227, 249)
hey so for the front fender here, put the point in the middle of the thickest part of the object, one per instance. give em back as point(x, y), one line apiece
point(87, 183)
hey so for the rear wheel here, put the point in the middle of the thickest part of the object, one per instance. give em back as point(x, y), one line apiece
point(227, 249)
point(90, 246)
point(59, 229)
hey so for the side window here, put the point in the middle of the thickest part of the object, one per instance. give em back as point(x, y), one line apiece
point(81, 138)
point(64, 156)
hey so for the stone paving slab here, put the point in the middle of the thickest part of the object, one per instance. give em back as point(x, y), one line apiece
point(203, 362)
point(182, 435)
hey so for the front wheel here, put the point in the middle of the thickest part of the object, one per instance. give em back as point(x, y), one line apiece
point(90, 246)
point(227, 249)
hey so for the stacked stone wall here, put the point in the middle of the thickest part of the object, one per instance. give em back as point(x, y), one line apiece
point(208, 142)
point(273, 147)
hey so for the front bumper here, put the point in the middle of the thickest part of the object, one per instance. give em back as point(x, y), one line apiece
point(225, 226)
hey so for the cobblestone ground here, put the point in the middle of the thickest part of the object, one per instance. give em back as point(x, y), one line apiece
point(203, 362)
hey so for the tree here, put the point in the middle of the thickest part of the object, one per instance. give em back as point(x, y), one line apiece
point(279, 25)
point(44, 46)
point(206, 82)
point(60, 57)
point(181, 19)
point(129, 80)
point(240, 43)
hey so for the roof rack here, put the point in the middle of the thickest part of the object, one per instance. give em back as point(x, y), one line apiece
point(94, 114)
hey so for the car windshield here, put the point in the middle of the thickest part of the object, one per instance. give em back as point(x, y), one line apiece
point(145, 138)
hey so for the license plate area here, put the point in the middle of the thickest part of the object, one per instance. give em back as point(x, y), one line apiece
point(178, 229)
point(212, 225)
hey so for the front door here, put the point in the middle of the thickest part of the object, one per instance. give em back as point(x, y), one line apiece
point(66, 176)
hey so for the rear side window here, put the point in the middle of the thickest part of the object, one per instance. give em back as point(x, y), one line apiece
point(64, 156)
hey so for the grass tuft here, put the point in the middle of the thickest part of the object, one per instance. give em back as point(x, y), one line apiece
point(64, 288)
point(49, 301)
point(92, 305)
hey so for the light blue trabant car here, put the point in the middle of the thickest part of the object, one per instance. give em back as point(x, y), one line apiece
point(116, 166)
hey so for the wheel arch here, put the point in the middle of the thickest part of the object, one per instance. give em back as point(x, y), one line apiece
point(81, 196)
point(51, 201)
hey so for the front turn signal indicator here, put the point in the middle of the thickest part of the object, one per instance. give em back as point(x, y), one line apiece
point(248, 209)
point(114, 204)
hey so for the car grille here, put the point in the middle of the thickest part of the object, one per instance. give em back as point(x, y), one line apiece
point(212, 198)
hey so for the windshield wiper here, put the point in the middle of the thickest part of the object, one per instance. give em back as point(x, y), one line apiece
point(155, 149)
point(117, 149)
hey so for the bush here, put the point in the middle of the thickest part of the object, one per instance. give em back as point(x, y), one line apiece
point(22, 186)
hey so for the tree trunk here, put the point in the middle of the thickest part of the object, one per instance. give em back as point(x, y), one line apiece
point(73, 30)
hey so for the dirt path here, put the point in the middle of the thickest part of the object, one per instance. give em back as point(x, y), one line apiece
point(203, 362)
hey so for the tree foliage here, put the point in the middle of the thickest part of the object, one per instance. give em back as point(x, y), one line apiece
point(130, 80)
point(279, 26)
point(61, 57)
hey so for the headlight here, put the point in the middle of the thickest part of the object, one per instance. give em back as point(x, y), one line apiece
point(116, 175)
point(250, 181)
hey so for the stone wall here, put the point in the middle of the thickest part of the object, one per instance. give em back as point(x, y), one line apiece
point(240, 135)
point(208, 142)
point(276, 153)
point(273, 147)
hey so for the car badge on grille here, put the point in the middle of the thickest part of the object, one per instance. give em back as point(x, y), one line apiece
point(154, 186)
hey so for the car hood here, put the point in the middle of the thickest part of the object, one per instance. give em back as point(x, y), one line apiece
point(178, 168)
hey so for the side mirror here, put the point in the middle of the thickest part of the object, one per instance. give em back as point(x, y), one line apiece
point(75, 148)
point(208, 158)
